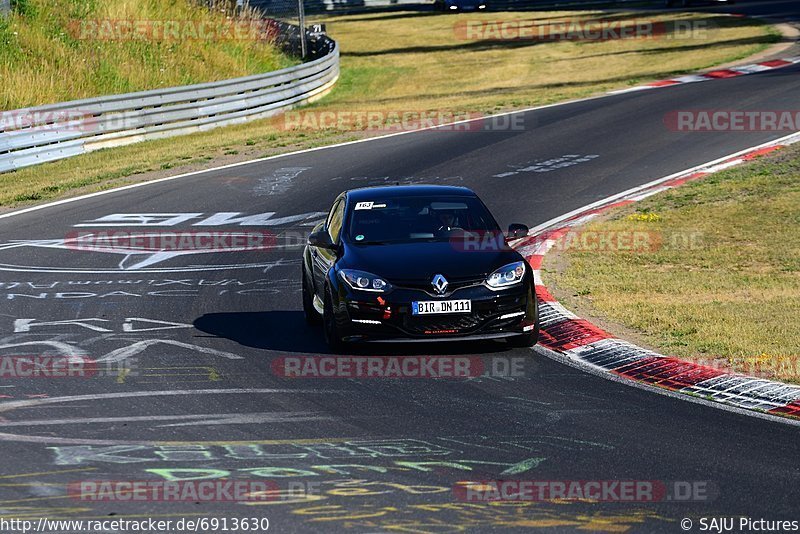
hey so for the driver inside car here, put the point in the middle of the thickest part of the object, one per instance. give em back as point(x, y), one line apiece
point(447, 221)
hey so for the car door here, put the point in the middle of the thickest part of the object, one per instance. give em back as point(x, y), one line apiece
point(322, 258)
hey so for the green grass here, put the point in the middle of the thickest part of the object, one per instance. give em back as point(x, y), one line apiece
point(397, 62)
point(44, 58)
point(422, 62)
point(724, 288)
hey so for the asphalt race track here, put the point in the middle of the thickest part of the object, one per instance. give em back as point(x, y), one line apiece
point(195, 336)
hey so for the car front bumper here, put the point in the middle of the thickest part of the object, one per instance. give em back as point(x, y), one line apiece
point(374, 317)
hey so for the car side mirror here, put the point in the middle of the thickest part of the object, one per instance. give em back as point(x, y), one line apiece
point(321, 239)
point(516, 231)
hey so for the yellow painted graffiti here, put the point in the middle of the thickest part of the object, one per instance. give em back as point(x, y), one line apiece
point(447, 518)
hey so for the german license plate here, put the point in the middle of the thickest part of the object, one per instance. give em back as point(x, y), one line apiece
point(425, 307)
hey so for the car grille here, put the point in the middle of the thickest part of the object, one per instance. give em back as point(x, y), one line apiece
point(452, 285)
point(483, 314)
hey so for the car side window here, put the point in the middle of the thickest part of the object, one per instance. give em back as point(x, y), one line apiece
point(335, 220)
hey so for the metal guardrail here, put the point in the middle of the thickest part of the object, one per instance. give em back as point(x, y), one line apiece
point(525, 5)
point(367, 6)
point(41, 134)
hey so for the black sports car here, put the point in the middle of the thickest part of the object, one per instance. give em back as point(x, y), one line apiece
point(417, 263)
point(455, 6)
point(687, 3)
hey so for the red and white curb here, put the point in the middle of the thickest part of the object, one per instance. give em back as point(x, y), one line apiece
point(587, 345)
point(732, 72)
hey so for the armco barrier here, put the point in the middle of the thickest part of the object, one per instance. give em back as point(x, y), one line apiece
point(287, 9)
point(47, 133)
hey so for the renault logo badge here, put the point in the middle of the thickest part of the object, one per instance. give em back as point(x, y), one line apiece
point(439, 284)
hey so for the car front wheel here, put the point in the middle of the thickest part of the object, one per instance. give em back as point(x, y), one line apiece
point(309, 312)
point(525, 341)
point(332, 337)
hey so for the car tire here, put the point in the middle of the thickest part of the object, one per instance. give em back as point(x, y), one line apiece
point(332, 337)
point(310, 313)
point(525, 341)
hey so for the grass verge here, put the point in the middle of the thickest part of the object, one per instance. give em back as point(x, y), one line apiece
point(59, 50)
point(410, 61)
point(719, 282)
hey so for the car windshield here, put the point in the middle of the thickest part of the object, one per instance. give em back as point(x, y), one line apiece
point(410, 218)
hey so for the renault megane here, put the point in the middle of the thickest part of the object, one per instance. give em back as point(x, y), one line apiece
point(416, 263)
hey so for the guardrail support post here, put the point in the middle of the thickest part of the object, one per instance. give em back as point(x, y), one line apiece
point(301, 15)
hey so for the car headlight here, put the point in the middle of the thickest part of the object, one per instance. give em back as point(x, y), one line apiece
point(364, 281)
point(506, 276)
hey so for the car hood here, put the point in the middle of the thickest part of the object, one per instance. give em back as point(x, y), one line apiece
point(421, 261)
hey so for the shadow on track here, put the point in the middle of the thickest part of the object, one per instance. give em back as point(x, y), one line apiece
point(286, 331)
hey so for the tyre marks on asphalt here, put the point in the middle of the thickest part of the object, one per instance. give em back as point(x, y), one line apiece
point(548, 165)
point(279, 181)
